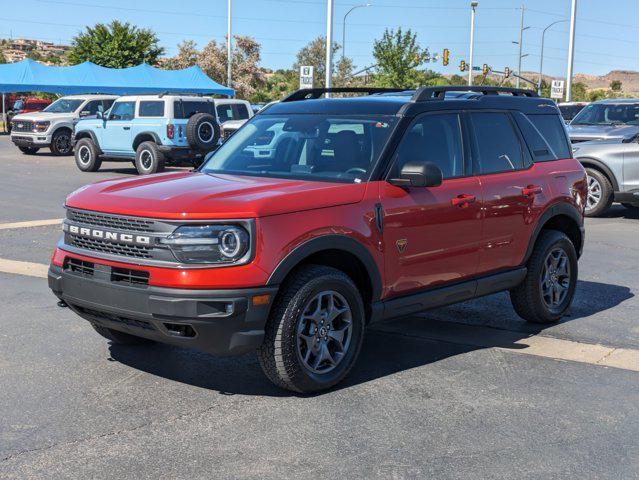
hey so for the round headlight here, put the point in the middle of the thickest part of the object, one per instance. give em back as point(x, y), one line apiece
point(230, 243)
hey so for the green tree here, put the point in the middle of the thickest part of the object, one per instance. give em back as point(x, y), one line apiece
point(398, 56)
point(456, 79)
point(278, 84)
point(3, 59)
point(314, 53)
point(615, 85)
point(116, 45)
point(580, 92)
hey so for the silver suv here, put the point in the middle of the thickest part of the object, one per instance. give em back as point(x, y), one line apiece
point(612, 166)
point(613, 118)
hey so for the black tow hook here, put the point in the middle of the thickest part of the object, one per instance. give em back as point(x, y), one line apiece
point(62, 304)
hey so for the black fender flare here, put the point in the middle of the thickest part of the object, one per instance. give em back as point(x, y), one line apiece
point(88, 134)
point(155, 136)
point(556, 210)
point(329, 242)
point(586, 161)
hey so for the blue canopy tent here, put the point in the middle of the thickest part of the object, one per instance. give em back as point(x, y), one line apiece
point(87, 77)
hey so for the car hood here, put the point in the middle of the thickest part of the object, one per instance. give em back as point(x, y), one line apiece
point(594, 132)
point(233, 124)
point(193, 195)
point(43, 116)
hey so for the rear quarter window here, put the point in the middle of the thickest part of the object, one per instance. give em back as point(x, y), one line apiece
point(186, 109)
point(151, 108)
point(553, 130)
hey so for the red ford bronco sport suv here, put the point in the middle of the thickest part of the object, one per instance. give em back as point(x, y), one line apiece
point(320, 216)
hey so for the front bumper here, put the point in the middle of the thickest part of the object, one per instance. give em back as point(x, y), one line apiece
point(221, 322)
point(25, 139)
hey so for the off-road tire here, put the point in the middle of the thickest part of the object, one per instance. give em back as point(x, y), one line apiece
point(87, 155)
point(149, 159)
point(120, 338)
point(202, 132)
point(606, 194)
point(527, 297)
point(28, 150)
point(278, 354)
point(61, 143)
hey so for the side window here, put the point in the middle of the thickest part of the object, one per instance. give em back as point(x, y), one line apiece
point(106, 104)
point(432, 138)
point(122, 111)
point(498, 148)
point(553, 130)
point(151, 108)
point(541, 151)
point(224, 113)
point(91, 108)
point(241, 112)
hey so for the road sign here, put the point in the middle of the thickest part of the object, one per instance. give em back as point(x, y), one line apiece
point(306, 76)
point(557, 89)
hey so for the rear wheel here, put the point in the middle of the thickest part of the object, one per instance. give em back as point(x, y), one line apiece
point(549, 286)
point(148, 158)
point(87, 157)
point(599, 196)
point(61, 142)
point(120, 338)
point(315, 330)
point(28, 150)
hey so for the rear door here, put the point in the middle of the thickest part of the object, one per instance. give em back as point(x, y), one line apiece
point(432, 235)
point(513, 191)
point(116, 137)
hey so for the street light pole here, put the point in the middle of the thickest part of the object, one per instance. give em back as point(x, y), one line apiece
point(571, 50)
point(473, 6)
point(229, 59)
point(328, 74)
point(541, 56)
point(364, 5)
point(521, 36)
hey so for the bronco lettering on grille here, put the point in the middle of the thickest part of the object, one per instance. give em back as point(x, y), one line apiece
point(107, 235)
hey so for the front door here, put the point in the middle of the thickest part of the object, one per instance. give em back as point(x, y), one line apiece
point(431, 235)
point(116, 136)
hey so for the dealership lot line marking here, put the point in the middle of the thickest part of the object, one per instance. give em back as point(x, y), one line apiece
point(504, 340)
point(23, 268)
point(29, 224)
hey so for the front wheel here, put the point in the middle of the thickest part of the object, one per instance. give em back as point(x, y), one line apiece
point(600, 192)
point(61, 142)
point(87, 157)
point(315, 330)
point(29, 150)
point(549, 286)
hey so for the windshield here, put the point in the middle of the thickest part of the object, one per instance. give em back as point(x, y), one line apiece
point(570, 111)
point(608, 114)
point(309, 147)
point(64, 105)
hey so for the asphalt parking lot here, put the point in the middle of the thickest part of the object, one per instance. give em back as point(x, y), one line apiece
point(468, 391)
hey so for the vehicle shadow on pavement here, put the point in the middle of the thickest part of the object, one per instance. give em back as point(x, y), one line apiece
point(389, 347)
point(619, 211)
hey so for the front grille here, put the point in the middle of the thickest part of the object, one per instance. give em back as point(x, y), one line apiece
point(22, 126)
point(80, 267)
point(129, 276)
point(113, 248)
point(111, 221)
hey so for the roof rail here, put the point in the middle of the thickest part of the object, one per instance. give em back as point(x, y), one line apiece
point(313, 93)
point(424, 94)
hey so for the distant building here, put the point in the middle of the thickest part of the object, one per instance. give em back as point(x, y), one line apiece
point(15, 50)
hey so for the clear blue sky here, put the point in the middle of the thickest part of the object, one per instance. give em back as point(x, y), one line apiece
point(606, 38)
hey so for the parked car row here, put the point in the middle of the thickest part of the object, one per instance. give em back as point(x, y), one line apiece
point(149, 130)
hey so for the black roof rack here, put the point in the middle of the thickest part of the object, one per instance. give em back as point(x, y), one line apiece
point(422, 94)
point(313, 93)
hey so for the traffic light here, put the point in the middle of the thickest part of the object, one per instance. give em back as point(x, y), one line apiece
point(462, 65)
point(506, 72)
point(445, 59)
point(484, 69)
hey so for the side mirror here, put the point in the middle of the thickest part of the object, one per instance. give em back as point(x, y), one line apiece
point(418, 174)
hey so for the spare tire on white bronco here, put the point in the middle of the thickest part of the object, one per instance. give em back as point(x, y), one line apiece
point(202, 131)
